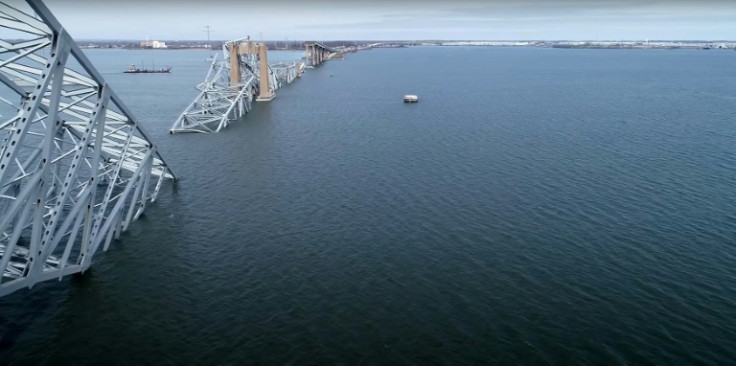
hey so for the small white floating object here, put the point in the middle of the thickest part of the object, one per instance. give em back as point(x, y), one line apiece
point(410, 98)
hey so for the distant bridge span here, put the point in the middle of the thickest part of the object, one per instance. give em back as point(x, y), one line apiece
point(317, 53)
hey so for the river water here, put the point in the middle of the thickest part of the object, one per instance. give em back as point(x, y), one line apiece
point(536, 206)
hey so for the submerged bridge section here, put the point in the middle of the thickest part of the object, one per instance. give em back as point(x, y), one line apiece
point(242, 76)
point(75, 166)
point(287, 72)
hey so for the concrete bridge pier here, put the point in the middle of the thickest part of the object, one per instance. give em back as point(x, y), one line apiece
point(261, 51)
point(266, 90)
point(316, 53)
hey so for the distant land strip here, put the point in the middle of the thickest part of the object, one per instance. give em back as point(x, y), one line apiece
point(299, 45)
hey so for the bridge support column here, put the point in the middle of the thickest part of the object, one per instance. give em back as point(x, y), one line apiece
point(234, 65)
point(265, 94)
point(306, 58)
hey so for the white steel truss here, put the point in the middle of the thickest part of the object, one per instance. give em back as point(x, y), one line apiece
point(286, 72)
point(75, 166)
point(220, 100)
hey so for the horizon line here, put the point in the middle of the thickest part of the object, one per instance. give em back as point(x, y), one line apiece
point(416, 40)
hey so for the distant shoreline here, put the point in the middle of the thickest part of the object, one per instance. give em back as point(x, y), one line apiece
point(706, 45)
point(299, 46)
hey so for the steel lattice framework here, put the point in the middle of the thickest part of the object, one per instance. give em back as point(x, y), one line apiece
point(221, 100)
point(286, 72)
point(75, 166)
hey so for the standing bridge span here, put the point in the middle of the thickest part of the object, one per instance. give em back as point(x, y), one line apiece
point(317, 53)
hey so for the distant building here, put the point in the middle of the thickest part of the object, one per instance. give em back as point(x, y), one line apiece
point(153, 44)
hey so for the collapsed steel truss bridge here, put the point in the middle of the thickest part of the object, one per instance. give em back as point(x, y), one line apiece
point(75, 167)
point(243, 75)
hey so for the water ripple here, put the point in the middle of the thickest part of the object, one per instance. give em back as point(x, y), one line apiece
point(575, 207)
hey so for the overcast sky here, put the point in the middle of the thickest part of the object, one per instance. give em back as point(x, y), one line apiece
point(399, 20)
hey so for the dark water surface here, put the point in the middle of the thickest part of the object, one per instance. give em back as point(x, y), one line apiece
point(536, 206)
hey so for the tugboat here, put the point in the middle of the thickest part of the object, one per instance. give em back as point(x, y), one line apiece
point(134, 70)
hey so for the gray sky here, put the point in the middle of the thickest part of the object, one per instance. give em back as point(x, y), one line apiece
point(399, 20)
